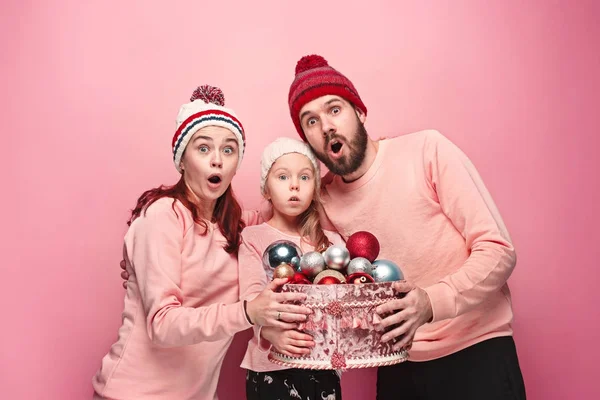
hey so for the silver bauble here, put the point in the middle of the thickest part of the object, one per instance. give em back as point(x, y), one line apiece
point(336, 257)
point(312, 263)
point(282, 252)
point(386, 271)
point(359, 264)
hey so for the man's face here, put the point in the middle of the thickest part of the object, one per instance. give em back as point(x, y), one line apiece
point(335, 130)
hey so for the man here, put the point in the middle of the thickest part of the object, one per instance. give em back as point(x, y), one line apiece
point(426, 203)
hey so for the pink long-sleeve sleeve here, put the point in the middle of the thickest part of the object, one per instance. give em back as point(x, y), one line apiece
point(156, 245)
point(467, 203)
point(252, 276)
point(252, 217)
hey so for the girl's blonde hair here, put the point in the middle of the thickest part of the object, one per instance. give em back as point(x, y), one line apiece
point(311, 230)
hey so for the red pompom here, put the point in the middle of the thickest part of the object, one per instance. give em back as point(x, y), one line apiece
point(209, 94)
point(363, 244)
point(310, 62)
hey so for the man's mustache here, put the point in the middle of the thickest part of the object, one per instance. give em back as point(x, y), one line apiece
point(331, 137)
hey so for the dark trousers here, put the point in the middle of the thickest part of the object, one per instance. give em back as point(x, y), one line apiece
point(485, 371)
point(293, 383)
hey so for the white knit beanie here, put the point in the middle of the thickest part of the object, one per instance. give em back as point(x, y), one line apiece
point(281, 147)
point(206, 108)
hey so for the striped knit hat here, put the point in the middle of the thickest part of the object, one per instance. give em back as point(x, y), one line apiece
point(314, 79)
point(206, 108)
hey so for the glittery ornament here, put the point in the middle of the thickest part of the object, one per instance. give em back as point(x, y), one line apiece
point(359, 278)
point(300, 279)
point(329, 277)
point(363, 244)
point(312, 263)
point(282, 252)
point(336, 257)
point(386, 271)
point(338, 361)
point(359, 264)
point(284, 271)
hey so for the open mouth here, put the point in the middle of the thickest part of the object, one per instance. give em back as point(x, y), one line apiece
point(294, 198)
point(336, 146)
point(214, 179)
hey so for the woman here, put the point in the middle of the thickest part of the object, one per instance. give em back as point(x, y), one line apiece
point(182, 304)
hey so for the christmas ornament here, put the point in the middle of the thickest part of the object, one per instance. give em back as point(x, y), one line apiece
point(336, 257)
point(359, 278)
point(312, 263)
point(299, 279)
point(282, 252)
point(386, 271)
point(284, 271)
point(363, 244)
point(359, 264)
point(329, 277)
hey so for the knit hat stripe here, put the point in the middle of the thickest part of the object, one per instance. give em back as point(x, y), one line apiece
point(201, 120)
point(316, 76)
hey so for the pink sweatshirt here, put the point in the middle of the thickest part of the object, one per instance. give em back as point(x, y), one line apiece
point(181, 310)
point(256, 240)
point(425, 202)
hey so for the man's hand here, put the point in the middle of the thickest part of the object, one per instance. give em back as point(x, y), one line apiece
point(409, 313)
point(288, 341)
point(124, 274)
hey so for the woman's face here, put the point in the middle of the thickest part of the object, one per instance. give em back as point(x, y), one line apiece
point(209, 163)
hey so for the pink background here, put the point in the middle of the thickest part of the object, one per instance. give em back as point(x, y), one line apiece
point(90, 91)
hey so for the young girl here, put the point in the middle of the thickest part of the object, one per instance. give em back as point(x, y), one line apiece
point(182, 305)
point(290, 181)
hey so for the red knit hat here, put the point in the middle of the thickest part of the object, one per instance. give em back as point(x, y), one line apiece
point(314, 79)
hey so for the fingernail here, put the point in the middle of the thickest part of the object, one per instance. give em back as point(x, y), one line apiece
point(385, 338)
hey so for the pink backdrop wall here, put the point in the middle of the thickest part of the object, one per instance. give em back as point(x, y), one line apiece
point(90, 91)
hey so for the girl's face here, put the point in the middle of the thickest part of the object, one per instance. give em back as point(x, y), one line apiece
point(291, 184)
point(209, 163)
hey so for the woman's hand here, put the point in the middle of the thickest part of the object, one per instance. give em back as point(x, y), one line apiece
point(289, 342)
point(124, 274)
point(268, 308)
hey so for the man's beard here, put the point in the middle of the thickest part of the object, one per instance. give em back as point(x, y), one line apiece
point(346, 164)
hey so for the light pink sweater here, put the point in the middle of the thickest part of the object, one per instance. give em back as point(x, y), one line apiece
point(425, 202)
point(181, 309)
point(255, 240)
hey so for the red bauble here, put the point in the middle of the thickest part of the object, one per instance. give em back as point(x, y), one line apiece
point(300, 279)
point(329, 277)
point(360, 278)
point(363, 244)
point(329, 280)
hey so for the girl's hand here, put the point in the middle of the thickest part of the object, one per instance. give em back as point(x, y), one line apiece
point(289, 342)
point(268, 308)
